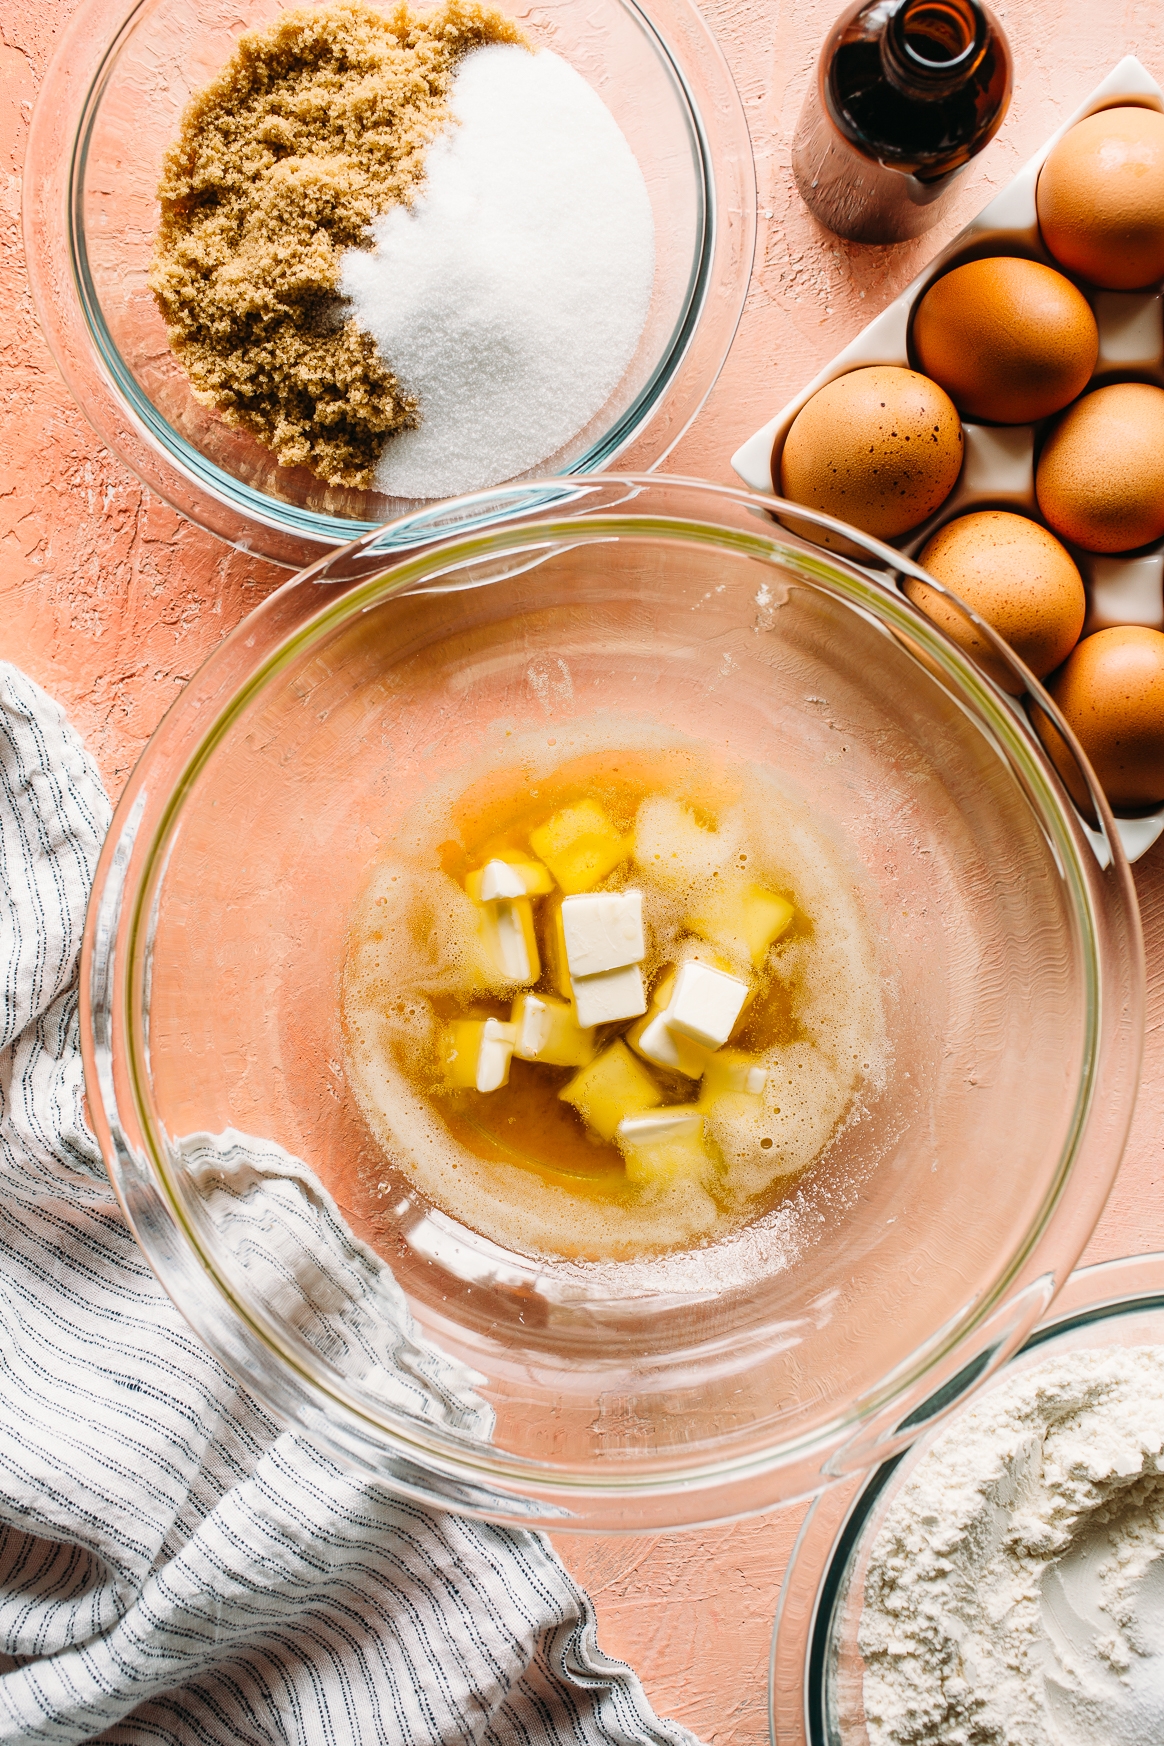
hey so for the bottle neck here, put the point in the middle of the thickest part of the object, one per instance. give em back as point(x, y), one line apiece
point(930, 48)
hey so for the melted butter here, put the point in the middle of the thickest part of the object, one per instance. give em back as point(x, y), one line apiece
point(517, 1163)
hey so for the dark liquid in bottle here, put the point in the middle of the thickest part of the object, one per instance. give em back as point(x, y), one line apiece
point(905, 95)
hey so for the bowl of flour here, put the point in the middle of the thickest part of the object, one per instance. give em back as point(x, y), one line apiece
point(306, 269)
point(1001, 1584)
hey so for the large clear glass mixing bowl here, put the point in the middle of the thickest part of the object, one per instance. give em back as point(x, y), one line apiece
point(110, 106)
point(922, 1246)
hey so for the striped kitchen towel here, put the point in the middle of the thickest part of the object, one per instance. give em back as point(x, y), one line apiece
point(176, 1569)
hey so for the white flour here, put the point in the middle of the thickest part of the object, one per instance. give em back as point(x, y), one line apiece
point(1015, 1594)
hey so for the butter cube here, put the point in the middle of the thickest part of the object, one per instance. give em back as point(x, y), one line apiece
point(746, 919)
point(673, 1121)
point(508, 931)
point(612, 1086)
point(609, 997)
point(730, 1073)
point(580, 846)
point(515, 878)
point(662, 1144)
point(705, 1003)
point(603, 931)
point(477, 1053)
point(655, 1041)
point(661, 998)
point(764, 917)
point(716, 960)
point(555, 939)
point(547, 1031)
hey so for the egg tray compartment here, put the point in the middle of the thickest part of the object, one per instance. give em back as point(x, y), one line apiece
point(998, 466)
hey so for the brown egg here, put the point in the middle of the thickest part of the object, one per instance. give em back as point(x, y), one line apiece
point(1100, 478)
point(880, 447)
point(1009, 340)
point(1017, 576)
point(1100, 198)
point(1112, 694)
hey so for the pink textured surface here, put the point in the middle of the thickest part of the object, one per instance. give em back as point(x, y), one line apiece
point(111, 600)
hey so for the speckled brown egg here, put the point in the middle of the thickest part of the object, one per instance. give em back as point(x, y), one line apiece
point(1100, 198)
point(1100, 477)
point(1009, 340)
point(879, 447)
point(1111, 692)
point(1017, 576)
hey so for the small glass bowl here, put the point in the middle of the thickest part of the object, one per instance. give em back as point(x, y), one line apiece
point(111, 104)
point(815, 1684)
point(927, 1240)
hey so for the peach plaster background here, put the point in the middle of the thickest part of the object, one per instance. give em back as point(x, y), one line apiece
point(111, 600)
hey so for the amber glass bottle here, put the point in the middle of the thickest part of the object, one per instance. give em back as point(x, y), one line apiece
point(906, 92)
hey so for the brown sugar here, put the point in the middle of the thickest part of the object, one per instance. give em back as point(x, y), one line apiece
point(316, 125)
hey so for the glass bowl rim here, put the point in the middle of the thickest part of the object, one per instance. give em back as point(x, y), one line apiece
point(423, 548)
point(837, 1523)
point(127, 420)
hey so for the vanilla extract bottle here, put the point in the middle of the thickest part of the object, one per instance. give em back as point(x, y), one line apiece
point(906, 92)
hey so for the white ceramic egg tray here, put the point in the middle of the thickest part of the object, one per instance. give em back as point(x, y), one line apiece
point(998, 470)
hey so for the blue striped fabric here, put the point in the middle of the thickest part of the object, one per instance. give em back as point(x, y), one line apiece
point(176, 1569)
point(295, 1256)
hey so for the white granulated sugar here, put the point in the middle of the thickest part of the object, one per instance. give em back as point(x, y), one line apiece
point(1015, 1593)
point(511, 296)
